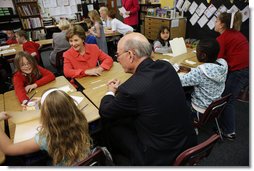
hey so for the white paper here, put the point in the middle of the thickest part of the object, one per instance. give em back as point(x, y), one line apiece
point(73, 2)
point(90, 7)
point(245, 13)
point(66, 2)
point(4, 47)
point(194, 19)
point(186, 5)
point(179, 4)
point(201, 8)
point(7, 51)
point(210, 10)
point(221, 9)
point(193, 7)
point(190, 62)
point(233, 9)
point(123, 11)
point(77, 99)
point(74, 9)
point(202, 21)
point(174, 23)
point(66, 89)
point(78, 1)
point(178, 46)
point(49, 3)
point(211, 23)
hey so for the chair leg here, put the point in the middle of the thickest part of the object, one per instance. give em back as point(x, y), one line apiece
point(219, 130)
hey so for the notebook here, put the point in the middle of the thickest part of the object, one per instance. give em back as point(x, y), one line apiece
point(178, 46)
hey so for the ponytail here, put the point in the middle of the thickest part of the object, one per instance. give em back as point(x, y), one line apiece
point(226, 19)
point(237, 21)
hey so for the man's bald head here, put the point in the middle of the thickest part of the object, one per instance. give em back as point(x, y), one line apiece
point(136, 42)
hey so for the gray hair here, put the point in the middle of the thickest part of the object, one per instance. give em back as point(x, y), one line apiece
point(141, 48)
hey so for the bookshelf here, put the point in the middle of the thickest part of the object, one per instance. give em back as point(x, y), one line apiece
point(9, 21)
point(29, 14)
point(143, 13)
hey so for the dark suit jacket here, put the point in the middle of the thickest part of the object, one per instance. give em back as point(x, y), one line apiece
point(154, 98)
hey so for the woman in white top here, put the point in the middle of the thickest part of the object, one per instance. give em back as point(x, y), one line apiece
point(117, 25)
point(161, 45)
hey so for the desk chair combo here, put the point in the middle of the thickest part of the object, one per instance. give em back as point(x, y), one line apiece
point(213, 112)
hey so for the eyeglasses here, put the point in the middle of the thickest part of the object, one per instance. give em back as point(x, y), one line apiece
point(24, 65)
point(118, 55)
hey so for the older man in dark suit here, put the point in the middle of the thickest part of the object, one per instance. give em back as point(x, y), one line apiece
point(149, 120)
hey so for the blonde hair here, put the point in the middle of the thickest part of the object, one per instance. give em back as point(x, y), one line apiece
point(35, 71)
point(64, 24)
point(65, 128)
point(225, 18)
point(103, 9)
point(95, 16)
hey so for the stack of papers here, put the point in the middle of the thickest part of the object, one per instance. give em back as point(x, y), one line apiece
point(178, 46)
point(7, 51)
point(123, 11)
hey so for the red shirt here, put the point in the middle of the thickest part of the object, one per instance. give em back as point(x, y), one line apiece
point(31, 47)
point(11, 41)
point(20, 82)
point(133, 7)
point(234, 48)
point(75, 64)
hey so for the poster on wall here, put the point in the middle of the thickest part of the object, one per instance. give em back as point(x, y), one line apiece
point(201, 8)
point(245, 13)
point(211, 23)
point(193, 7)
point(210, 11)
point(202, 21)
point(194, 19)
point(186, 6)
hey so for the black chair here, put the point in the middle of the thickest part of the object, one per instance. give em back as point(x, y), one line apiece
point(59, 62)
point(99, 157)
point(213, 111)
point(194, 155)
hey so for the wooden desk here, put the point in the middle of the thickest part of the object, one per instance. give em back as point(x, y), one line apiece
point(95, 87)
point(26, 126)
point(19, 47)
point(2, 156)
point(181, 59)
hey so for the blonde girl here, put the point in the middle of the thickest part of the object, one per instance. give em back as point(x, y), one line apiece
point(63, 134)
point(98, 31)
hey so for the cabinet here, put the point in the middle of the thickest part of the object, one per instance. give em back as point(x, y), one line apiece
point(9, 21)
point(153, 24)
point(143, 12)
point(29, 14)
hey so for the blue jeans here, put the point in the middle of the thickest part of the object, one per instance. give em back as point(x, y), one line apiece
point(236, 80)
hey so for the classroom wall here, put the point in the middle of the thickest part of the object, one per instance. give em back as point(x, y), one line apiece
point(166, 3)
point(197, 32)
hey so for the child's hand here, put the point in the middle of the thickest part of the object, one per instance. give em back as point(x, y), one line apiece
point(29, 88)
point(4, 116)
point(34, 54)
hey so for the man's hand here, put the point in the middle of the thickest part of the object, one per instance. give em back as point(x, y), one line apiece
point(94, 71)
point(30, 87)
point(4, 116)
point(113, 85)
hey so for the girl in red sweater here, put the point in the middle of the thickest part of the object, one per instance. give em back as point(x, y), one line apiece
point(234, 48)
point(28, 75)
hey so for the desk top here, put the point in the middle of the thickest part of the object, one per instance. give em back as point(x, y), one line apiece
point(96, 87)
point(2, 156)
point(181, 59)
point(12, 102)
point(19, 47)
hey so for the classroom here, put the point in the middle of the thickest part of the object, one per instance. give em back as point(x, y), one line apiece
point(125, 83)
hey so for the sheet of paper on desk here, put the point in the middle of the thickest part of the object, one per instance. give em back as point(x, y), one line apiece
point(178, 46)
point(4, 47)
point(77, 99)
point(7, 51)
point(23, 116)
point(66, 89)
point(26, 130)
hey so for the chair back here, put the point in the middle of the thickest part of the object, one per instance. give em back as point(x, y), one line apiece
point(99, 157)
point(194, 155)
point(213, 111)
point(59, 62)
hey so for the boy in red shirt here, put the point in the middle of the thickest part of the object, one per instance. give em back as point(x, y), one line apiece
point(28, 46)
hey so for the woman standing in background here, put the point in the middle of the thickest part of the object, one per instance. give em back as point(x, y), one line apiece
point(132, 8)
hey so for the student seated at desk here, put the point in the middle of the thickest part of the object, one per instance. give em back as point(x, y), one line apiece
point(161, 45)
point(90, 39)
point(117, 25)
point(209, 78)
point(28, 46)
point(59, 40)
point(104, 17)
point(28, 75)
point(63, 133)
point(11, 37)
point(82, 58)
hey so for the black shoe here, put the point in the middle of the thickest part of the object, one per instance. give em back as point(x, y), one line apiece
point(230, 136)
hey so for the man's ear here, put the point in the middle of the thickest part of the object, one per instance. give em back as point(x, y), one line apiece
point(131, 56)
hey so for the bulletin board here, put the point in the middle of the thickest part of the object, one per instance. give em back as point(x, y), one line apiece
point(59, 8)
point(201, 29)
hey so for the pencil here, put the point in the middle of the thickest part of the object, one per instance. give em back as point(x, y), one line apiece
point(30, 98)
point(84, 106)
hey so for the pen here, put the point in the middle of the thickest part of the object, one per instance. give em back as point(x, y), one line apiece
point(30, 98)
point(84, 106)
